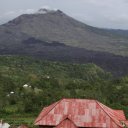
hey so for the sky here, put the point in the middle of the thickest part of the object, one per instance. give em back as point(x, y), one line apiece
point(98, 13)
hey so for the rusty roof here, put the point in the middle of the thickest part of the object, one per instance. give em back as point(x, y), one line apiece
point(80, 113)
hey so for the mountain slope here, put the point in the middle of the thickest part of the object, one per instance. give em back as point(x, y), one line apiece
point(52, 35)
point(57, 26)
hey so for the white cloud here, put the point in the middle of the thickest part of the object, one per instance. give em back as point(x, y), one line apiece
point(104, 13)
point(101, 13)
point(9, 13)
point(13, 14)
point(46, 7)
point(27, 11)
point(18, 12)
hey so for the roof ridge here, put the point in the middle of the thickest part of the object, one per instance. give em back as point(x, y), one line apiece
point(54, 104)
point(77, 99)
point(67, 117)
point(108, 113)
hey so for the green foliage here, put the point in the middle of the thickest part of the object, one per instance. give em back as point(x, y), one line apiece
point(50, 81)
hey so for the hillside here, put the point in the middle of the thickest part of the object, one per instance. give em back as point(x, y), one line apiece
point(57, 26)
point(29, 84)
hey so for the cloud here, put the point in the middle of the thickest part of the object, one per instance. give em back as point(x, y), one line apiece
point(103, 13)
point(9, 13)
point(46, 7)
point(29, 11)
point(18, 12)
point(100, 13)
point(12, 14)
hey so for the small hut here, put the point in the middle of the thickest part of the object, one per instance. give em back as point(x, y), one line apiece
point(80, 113)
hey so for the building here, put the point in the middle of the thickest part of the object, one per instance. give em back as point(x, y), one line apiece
point(80, 113)
point(3, 124)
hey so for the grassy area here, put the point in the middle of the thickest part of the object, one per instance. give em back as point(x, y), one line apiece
point(17, 120)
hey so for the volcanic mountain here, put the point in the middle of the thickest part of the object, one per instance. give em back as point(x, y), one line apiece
point(54, 35)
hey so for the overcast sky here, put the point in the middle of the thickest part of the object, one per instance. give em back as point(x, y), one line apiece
point(99, 13)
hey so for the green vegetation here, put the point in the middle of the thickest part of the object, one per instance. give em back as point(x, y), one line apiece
point(50, 81)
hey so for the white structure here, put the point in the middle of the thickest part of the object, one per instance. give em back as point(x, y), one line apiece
point(4, 125)
point(25, 85)
point(12, 92)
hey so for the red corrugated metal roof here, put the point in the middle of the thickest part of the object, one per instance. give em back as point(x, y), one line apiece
point(121, 113)
point(66, 123)
point(45, 111)
point(80, 113)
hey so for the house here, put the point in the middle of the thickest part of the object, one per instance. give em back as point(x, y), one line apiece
point(80, 113)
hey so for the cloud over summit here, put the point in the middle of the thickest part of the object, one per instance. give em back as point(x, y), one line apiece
point(100, 13)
